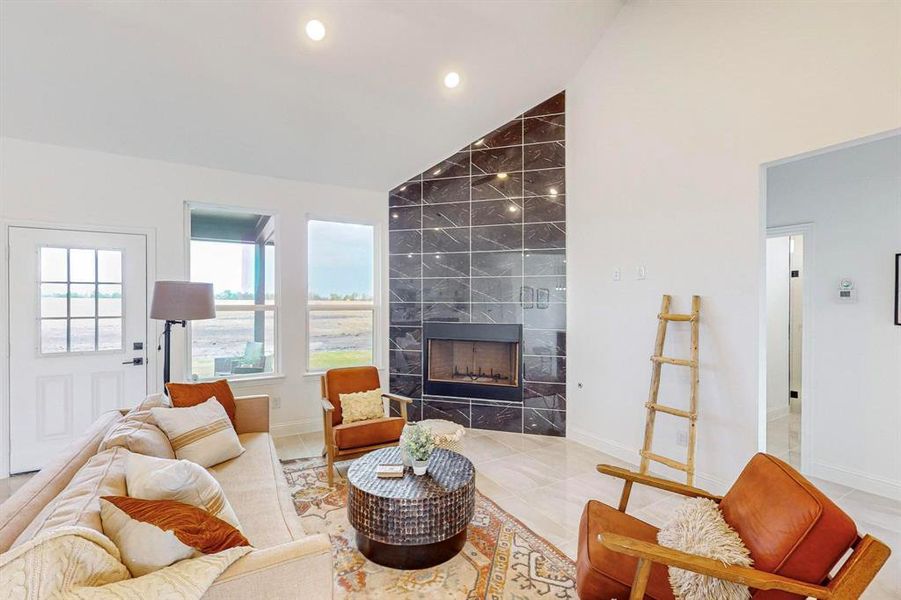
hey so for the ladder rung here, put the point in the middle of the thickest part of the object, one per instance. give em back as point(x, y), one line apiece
point(675, 317)
point(671, 411)
point(673, 361)
point(673, 464)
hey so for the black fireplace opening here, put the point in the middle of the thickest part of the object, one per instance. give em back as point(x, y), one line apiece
point(473, 360)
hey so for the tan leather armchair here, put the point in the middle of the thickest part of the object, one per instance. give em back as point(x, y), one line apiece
point(796, 536)
point(352, 440)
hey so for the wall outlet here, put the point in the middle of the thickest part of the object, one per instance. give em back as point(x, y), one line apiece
point(275, 402)
point(641, 272)
point(682, 439)
point(617, 274)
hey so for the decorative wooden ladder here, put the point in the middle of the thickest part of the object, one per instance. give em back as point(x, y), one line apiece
point(657, 361)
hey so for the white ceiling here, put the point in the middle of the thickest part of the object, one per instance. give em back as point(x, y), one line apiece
point(236, 85)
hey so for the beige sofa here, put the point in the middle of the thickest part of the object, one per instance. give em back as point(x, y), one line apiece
point(285, 561)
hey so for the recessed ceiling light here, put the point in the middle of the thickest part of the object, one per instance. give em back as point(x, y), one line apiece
point(452, 79)
point(315, 30)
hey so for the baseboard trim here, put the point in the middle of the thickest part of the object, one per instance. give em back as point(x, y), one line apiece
point(858, 480)
point(295, 427)
point(630, 456)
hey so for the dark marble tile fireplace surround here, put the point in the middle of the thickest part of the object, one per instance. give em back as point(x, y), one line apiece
point(481, 238)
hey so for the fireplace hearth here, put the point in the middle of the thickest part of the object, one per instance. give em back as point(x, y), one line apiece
point(472, 360)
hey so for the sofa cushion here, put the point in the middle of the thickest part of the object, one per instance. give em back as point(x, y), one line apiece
point(789, 526)
point(368, 433)
point(185, 395)
point(603, 574)
point(79, 503)
point(255, 485)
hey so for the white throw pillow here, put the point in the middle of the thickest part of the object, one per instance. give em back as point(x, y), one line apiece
point(202, 434)
point(361, 406)
point(154, 478)
point(697, 526)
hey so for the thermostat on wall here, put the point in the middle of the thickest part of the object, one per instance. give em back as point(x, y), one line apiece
point(846, 291)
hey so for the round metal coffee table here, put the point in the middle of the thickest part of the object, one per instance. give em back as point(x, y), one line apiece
point(412, 522)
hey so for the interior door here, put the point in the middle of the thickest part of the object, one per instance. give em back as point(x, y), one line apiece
point(78, 334)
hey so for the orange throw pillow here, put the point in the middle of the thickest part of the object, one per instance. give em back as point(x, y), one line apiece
point(185, 395)
point(152, 534)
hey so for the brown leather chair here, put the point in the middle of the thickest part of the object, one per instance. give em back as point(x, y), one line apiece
point(796, 536)
point(344, 441)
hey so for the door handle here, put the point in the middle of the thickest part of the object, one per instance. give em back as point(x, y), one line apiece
point(138, 360)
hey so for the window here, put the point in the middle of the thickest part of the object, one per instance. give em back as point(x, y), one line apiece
point(235, 251)
point(81, 300)
point(340, 303)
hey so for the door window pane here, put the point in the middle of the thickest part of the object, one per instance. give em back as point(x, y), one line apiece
point(109, 300)
point(81, 265)
point(109, 266)
point(340, 338)
point(53, 336)
point(81, 300)
point(72, 297)
point(81, 335)
point(53, 300)
point(54, 264)
point(227, 345)
point(109, 334)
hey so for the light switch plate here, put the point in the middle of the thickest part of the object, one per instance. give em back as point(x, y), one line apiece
point(641, 272)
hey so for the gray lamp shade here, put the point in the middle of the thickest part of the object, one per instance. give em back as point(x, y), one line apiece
point(182, 301)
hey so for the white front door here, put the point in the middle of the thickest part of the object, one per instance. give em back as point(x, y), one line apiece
point(77, 332)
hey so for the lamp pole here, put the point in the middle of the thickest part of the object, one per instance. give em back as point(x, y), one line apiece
point(167, 335)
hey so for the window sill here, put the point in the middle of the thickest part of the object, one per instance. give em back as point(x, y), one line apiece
point(238, 381)
point(318, 374)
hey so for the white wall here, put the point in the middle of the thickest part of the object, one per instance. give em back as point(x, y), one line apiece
point(852, 410)
point(777, 298)
point(668, 122)
point(66, 185)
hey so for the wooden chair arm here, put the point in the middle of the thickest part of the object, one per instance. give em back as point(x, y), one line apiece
point(326, 405)
point(401, 399)
point(647, 553)
point(631, 477)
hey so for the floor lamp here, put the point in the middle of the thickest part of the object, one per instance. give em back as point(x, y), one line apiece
point(176, 303)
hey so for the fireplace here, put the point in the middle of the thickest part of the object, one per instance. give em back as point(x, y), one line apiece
point(472, 360)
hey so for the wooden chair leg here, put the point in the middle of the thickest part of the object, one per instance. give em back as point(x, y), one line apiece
point(640, 584)
point(330, 465)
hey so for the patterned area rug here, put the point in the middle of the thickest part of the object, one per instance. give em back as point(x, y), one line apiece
point(502, 559)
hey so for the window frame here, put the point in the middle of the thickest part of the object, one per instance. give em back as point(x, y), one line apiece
point(375, 307)
point(273, 233)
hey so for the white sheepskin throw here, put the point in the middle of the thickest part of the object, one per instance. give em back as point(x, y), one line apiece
point(698, 527)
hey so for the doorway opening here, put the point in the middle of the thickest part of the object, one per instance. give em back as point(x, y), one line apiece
point(785, 326)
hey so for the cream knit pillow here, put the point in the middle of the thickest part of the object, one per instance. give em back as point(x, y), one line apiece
point(361, 406)
point(154, 478)
point(697, 526)
point(202, 434)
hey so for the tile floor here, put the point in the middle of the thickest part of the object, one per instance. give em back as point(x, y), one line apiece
point(545, 482)
point(783, 436)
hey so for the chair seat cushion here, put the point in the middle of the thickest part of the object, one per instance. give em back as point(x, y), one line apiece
point(602, 574)
point(368, 433)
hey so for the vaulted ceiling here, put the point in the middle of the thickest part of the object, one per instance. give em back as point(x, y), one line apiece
point(238, 86)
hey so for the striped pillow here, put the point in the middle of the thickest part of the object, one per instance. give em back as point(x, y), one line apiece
point(202, 434)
